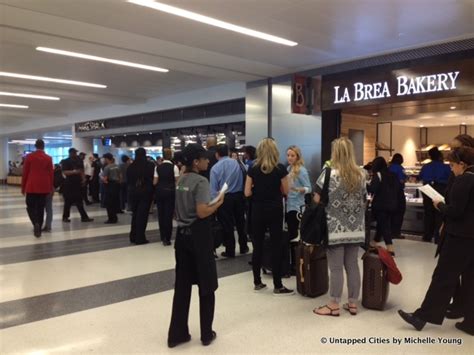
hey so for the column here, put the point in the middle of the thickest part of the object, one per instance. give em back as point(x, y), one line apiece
point(85, 145)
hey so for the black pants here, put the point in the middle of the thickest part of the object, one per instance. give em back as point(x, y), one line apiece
point(293, 224)
point(112, 201)
point(94, 188)
point(230, 214)
point(185, 275)
point(456, 258)
point(35, 204)
point(267, 216)
point(432, 219)
point(74, 200)
point(396, 218)
point(165, 207)
point(140, 205)
point(384, 230)
point(123, 196)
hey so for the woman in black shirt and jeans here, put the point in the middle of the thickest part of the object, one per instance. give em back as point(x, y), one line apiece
point(267, 182)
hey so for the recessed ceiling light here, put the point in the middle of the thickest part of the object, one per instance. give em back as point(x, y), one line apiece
point(14, 106)
point(101, 59)
point(453, 107)
point(421, 126)
point(211, 21)
point(40, 97)
point(375, 114)
point(464, 123)
point(54, 80)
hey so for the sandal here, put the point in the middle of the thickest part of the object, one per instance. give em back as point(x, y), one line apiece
point(352, 309)
point(331, 311)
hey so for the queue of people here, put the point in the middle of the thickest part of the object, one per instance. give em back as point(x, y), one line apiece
point(263, 194)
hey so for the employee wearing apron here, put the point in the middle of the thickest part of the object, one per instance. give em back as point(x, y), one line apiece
point(194, 246)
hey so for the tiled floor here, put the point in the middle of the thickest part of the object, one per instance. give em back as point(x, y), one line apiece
point(84, 289)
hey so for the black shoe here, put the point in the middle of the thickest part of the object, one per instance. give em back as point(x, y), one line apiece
point(412, 319)
point(110, 222)
point(87, 219)
point(66, 220)
point(209, 341)
point(166, 243)
point(259, 287)
point(88, 203)
point(227, 255)
point(146, 241)
point(172, 344)
point(46, 230)
point(282, 291)
point(244, 250)
point(120, 212)
point(37, 230)
point(461, 326)
point(454, 314)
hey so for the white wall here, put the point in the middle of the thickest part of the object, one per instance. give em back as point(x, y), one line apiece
point(441, 135)
point(256, 114)
point(4, 157)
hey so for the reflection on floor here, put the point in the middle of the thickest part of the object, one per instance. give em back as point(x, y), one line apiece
point(84, 288)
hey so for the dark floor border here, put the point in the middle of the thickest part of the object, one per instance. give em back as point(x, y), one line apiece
point(38, 308)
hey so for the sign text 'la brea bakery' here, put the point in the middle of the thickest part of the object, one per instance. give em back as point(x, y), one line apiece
point(406, 85)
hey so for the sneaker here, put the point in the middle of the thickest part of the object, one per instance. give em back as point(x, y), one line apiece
point(259, 287)
point(282, 291)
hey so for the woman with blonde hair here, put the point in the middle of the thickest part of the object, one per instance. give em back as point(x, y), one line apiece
point(299, 187)
point(346, 224)
point(267, 182)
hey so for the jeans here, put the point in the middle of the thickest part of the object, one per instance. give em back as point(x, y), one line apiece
point(49, 210)
point(339, 257)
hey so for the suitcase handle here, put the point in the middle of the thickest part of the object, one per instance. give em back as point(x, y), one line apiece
point(301, 270)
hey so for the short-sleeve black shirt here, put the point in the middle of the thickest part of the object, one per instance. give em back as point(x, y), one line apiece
point(267, 187)
point(73, 164)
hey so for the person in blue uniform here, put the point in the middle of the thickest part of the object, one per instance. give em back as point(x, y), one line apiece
point(435, 174)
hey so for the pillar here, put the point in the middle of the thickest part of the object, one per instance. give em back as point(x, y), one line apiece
point(3, 158)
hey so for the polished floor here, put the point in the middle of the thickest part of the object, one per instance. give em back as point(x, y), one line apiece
point(84, 289)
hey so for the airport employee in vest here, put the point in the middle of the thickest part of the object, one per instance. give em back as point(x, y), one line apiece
point(194, 248)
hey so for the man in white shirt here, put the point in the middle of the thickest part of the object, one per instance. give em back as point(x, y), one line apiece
point(88, 172)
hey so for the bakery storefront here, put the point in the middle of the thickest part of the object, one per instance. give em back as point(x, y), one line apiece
point(386, 110)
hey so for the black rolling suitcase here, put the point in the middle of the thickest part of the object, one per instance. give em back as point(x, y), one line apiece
point(312, 277)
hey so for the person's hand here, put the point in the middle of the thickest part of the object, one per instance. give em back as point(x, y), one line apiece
point(220, 201)
point(436, 204)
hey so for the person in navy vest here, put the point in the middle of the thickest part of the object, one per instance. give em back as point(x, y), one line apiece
point(435, 174)
point(396, 219)
point(166, 175)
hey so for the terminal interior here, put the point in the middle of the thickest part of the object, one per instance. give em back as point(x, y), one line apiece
point(83, 288)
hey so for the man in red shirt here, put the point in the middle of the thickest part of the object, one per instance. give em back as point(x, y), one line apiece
point(36, 184)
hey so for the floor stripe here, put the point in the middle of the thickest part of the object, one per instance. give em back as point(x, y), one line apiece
point(25, 219)
point(22, 205)
point(70, 247)
point(33, 309)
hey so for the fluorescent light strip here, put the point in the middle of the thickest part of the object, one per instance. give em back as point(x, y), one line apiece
point(101, 59)
point(14, 106)
point(211, 21)
point(40, 97)
point(54, 80)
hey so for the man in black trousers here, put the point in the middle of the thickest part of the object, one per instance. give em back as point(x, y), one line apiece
point(232, 211)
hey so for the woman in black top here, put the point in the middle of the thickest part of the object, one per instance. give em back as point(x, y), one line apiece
point(140, 194)
point(457, 254)
point(267, 182)
point(384, 186)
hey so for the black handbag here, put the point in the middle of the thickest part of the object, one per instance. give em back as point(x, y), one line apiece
point(313, 226)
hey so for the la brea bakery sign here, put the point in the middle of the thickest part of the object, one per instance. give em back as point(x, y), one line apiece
point(406, 85)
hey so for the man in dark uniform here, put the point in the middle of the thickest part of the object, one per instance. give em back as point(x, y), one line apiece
point(73, 170)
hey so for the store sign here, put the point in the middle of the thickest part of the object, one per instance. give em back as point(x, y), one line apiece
point(299, 97)
point(377, 86)
point(90, 126)
point(405, 86)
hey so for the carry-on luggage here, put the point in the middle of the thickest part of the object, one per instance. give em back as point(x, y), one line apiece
point(375, 286)
point(312, 278)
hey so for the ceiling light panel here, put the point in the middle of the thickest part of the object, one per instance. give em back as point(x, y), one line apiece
point(13, 106)
point(53, 80)
point(211, 21)
point(39, 97)
point(101, 59)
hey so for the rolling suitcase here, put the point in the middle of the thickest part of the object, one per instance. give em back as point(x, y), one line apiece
point(375, 286)
point(312, 278)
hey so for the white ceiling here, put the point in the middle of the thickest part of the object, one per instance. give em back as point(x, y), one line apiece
point(198, 55)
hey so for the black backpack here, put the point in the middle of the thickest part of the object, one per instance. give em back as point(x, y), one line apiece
point(313, 226)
